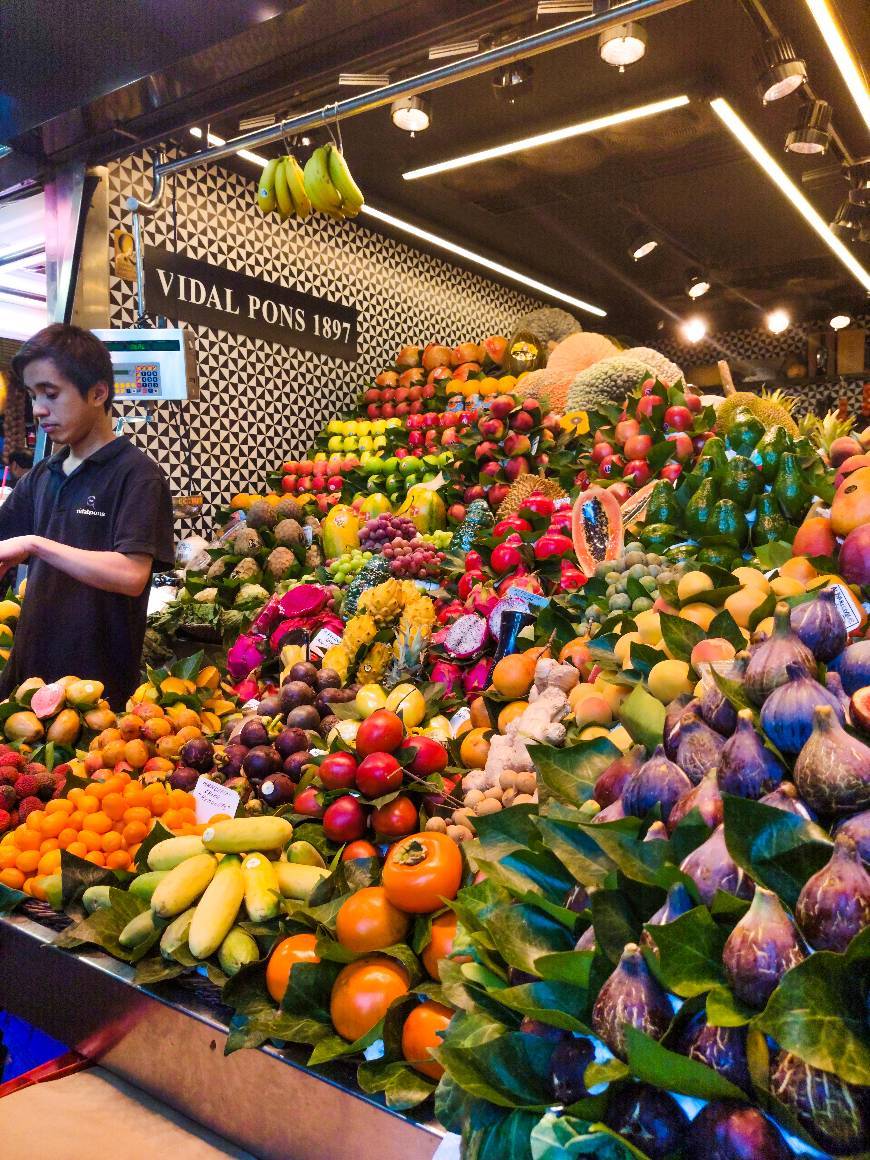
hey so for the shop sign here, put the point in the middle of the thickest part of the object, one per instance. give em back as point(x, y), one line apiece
point(185, 289)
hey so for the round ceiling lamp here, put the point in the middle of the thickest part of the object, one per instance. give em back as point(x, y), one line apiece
point(413, 114)
point(777, 321)
point(622, 45)
point(840, 321)
point(698, 284)
point(693, 329)
point(812, 134)
point(641, 242)
point(780, 69)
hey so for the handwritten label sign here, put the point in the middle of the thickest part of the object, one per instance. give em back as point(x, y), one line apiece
point(182, 288)
point(323, 642)
point(212, 798)
point(846, 608)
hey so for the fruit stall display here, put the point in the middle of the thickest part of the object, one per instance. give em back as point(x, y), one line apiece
point(548, 761)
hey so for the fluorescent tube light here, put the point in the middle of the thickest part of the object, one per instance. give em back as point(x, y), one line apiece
point(479, 260)
point(779, 177)
point(843, 58)
point(539, 139)
point(213, 139)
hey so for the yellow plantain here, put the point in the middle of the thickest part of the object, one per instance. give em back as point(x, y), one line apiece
point(266, 187)
point(321, 192)
point(282, 190)
point(296, 185)
point(352, 198)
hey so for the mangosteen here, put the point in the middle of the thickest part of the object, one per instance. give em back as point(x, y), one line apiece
point(184, 777)
point(324, 699)
point(240, 785)
point(295, 693)
point(304, 671)
point(328, 679)
point(327, 723)
point(277, 790)
point(230, 764)
point(304, 716)
point(198, 754)
point(270, 706)
point(261, 762)
point(253, 733)
point(295, 763)
point(290, 741)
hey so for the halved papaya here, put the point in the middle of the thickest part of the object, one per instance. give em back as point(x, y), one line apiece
point(596, 528)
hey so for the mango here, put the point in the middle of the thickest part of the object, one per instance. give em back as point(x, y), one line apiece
point(84, 694)
point(340, 531)
point(24, 726)
point(65, 728)
point(425, 509)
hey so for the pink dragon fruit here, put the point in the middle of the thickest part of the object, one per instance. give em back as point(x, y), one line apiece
point(447, 674)
point(245, 655)
point(476, 678)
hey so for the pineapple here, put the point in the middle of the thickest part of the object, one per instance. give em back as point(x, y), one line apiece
point(824, 432)
point(408, 652)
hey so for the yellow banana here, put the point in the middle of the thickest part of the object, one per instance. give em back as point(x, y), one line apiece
point(352, 198)
point(216, 911)
point(266, 187)
point(321, 192)
point(282, 191)
point(296, 185)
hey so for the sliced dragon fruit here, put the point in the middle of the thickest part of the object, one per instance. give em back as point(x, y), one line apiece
point(466, 637)
point(304, 600)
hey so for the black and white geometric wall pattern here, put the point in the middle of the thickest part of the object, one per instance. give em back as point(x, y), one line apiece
point(260, 402)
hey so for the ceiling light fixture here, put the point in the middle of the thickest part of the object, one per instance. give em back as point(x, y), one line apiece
point(641, 242)
point(698, 285)
point(575, 130)
point(622, 45)
point(777, 321)
point(777, 174)
point(812, 134)
point(780, 69)
point(842, 54)
point(859, 175)
point(479, 260)
point(840, 321)
point(693, 329)
point(413, 114)
point(213, 139)
point(513, 83)
point(847, 221)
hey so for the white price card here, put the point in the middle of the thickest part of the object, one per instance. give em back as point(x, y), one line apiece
point(213, 798)
point(846, 607)
point(459, 718)
point(520, 596)
point(323, 642)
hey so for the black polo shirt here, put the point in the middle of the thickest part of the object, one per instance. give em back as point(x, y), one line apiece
point(116, 500)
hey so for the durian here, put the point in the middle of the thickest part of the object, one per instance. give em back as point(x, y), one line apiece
point(772, 408)
point(522, 488)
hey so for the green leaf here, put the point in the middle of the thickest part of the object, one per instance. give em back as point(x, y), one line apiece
point(643, 717)
point(762, 611)
point(156, 969)
point(648, 862)
point(733, 691)
point(571, 773)
point(77, 875)
point(690, 953)
point(724, 625)
point(103, 927)
point(511, 1070)
point(509, 830)
point(777, 849)
point(614, 921)
point(10, 899)
point(818, 1011)
point(643, 657)
point(332, 1047)
point(724, 1010)
point(554, 1003)
point(529, 871)
point(566, 1137)
point(574, 848)
point(522, 934)
point(680, 635)
point(773, 555)
point(494, 1135)
point(572, 967)
point(655, 1064)
point(403, 1087)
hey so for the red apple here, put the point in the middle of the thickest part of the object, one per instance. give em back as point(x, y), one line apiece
point(636, 471)
point(430, 756)
point(381, 732)
point(671, 472)
point(501, 406)
point(683, 448)
point(338, 770)
point(678, 419)
point(625, 428)
point(610, 465)
point(647, 405)
point(600, 452)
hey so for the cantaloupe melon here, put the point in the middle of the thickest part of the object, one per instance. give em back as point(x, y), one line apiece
point(579, 351)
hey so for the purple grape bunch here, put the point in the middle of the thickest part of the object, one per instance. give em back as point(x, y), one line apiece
point(413, 559)
point(385, 529)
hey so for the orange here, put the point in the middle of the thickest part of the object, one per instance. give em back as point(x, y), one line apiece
point(49, 844)
point(91, 840)
point(114, 806)
point(159, 804)
point(96, 857)
point(111, 842)
point(513, 676)
point(118, 860)
point(188, 816)
point(178, 799)
point(132, 851)
point(138, 814)
point(100, 823)
point(75, 795)
point(27, 861)
point(172, 819)
point(77, 848)
point(296, 948)
point(134, 832)
point(49, 863)
point(474, 749)
point(74, 821)
point(12, 878)
point(509, 713)
point(89, 804)
point(66, 837)
point(134, 795)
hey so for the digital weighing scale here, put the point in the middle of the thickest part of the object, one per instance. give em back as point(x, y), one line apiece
point(152, 366)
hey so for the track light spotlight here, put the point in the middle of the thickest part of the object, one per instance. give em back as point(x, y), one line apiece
point(812, 134)
point(693, 329)
point(840, 321)
point(513, 83)
point(780, 69)
point(413, 114)
point(777, 321)
point(847, 221)
point(622, 45)
point(641, 242)
point(859, 175)
point(698, 284)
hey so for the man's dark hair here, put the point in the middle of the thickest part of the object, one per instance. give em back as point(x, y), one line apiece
point(23, 459)
point(76, 353)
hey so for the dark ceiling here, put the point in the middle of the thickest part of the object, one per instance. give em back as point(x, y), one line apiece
point(560, 212)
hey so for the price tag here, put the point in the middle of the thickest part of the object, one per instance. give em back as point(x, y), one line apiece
point(459, 718)
point(522, 598)
point(846, 608)
point(323, 641)
point(308, 535)
point(212, 798)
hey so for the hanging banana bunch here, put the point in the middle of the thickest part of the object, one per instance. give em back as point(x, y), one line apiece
point(325, 185)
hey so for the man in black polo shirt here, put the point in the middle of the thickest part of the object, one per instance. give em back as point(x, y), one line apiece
point(92, 521)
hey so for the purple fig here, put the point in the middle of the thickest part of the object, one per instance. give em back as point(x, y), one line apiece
point(577, 899)
point(832, 771)
point(721, 1048)
point(543, 1030)
point(767, 666)
point(611, 813)
point(253, 733)
point(658, 832)
point(747, 768)
point(649, 1118)
point(834, 904)
point(730, 1130)
point(698, 749)
point(787, 714)
point(630, 996)
point(836, 1114)
point(786, 797)
point(683, 706)
point(760, 949)
point(819, 625)
point(612, 781)
point(586, 941)
point(712, 868)
point(658, 782)
point(704, 797)
point(716, 710)
point(678, 902)
point(568, 1065)
point(858, 829)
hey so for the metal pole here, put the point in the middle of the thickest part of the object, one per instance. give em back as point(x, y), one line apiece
point(446, 74)
point(20, 255)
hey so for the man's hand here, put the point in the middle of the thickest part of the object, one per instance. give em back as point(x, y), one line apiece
point(15, 551)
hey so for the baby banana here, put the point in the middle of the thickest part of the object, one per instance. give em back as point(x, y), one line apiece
point(321, 192)
point(216, 911)
point(296, 185)
point(236, 951)
point(352, 199)
point(282, 191)
point(266, 187)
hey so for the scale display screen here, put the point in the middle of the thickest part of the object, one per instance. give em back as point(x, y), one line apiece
point(152, 365)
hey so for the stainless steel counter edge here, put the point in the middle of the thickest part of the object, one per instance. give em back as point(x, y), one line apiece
point(264, 1099)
